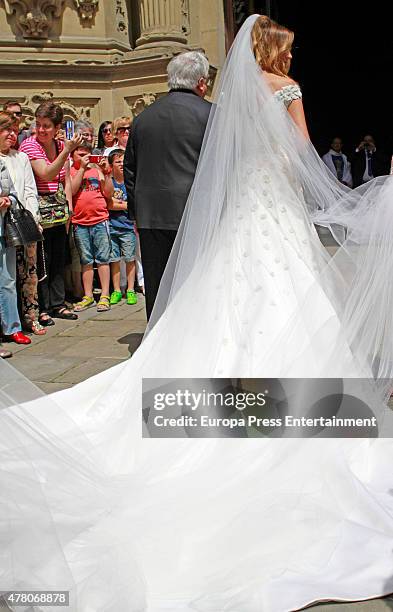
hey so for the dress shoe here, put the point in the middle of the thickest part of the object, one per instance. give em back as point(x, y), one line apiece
point(18, 337)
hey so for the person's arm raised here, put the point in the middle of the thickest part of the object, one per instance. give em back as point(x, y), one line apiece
point(77, 177)
point(106, 183)
point(49, 172)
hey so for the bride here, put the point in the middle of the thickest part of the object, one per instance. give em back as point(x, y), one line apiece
point(131, 524)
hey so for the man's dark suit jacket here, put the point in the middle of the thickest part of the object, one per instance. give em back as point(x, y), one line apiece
point(161, 158)
point(379, 163)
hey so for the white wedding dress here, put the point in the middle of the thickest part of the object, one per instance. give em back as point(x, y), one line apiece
point(133, 524)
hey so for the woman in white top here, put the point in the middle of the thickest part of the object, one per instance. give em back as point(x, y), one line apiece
point(20, 170)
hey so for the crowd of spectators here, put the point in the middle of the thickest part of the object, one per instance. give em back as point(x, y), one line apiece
point(92, 259)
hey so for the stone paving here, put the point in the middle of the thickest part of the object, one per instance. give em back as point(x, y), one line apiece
point(71, 351)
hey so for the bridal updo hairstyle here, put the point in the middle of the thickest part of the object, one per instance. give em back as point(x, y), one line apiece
point(270, 43)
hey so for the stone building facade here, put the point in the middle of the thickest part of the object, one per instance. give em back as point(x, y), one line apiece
point(101, 58)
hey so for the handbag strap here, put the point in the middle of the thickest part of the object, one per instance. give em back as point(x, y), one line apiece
point(40, 247)
point(57, 155)
point(49, 193)
point(17, 201)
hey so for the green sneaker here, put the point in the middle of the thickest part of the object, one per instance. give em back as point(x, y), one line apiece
point(132, 297)
point(115, 297)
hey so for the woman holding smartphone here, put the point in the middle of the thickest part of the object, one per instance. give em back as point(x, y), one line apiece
point(49, 160)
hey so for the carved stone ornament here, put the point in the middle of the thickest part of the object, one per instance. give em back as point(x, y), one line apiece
point(35, 17)
point(86, 8)
point(185, 12)
point(121, 16)
point(137, 105)
point(75, 109)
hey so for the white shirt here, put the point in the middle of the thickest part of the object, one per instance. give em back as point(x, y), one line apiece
point(21, 172)
point(366, 176)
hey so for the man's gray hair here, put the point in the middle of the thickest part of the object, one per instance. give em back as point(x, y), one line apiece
point(185, 70)
point(83, 124)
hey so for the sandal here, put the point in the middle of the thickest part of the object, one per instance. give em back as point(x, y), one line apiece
point(85, 303)
point(62, 312)
point(45, 320)
point(104, 303)
point(35, 327)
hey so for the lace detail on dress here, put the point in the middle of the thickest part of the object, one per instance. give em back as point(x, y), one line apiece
point(288, 94)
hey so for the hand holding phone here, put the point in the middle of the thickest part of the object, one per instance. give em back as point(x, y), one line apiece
point(95, 159)
point(104, 165)
point(69, 129)
point(74, 143)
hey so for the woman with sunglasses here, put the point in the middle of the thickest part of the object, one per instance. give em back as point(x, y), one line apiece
point(121, 131)
point(14, 107)
point(22, 176)
point(105, 138)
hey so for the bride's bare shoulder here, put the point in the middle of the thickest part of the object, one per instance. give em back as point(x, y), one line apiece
point(276, 82)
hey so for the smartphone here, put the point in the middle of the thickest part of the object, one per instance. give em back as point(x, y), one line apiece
point(69, 129)
point(95, 159)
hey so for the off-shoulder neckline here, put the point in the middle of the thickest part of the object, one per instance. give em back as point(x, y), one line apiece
point(289, 86)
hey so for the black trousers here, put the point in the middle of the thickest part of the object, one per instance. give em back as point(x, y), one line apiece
point(51, 289)
point(156, 245)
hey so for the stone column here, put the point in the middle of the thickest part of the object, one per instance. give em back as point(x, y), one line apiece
point(162, 22)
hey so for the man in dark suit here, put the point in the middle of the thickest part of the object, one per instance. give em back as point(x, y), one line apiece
point(368, 163)
point(160, 163)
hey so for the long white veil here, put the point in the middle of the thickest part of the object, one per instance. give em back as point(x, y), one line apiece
point(90, 507)
point(247, 129)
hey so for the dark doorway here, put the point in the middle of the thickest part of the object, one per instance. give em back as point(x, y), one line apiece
point(343, 60)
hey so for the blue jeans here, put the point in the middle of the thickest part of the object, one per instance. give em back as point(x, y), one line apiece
point(123, 244)
point(8, 299)
point(93, 243)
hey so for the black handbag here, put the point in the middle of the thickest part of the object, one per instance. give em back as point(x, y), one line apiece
point(20, 227)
